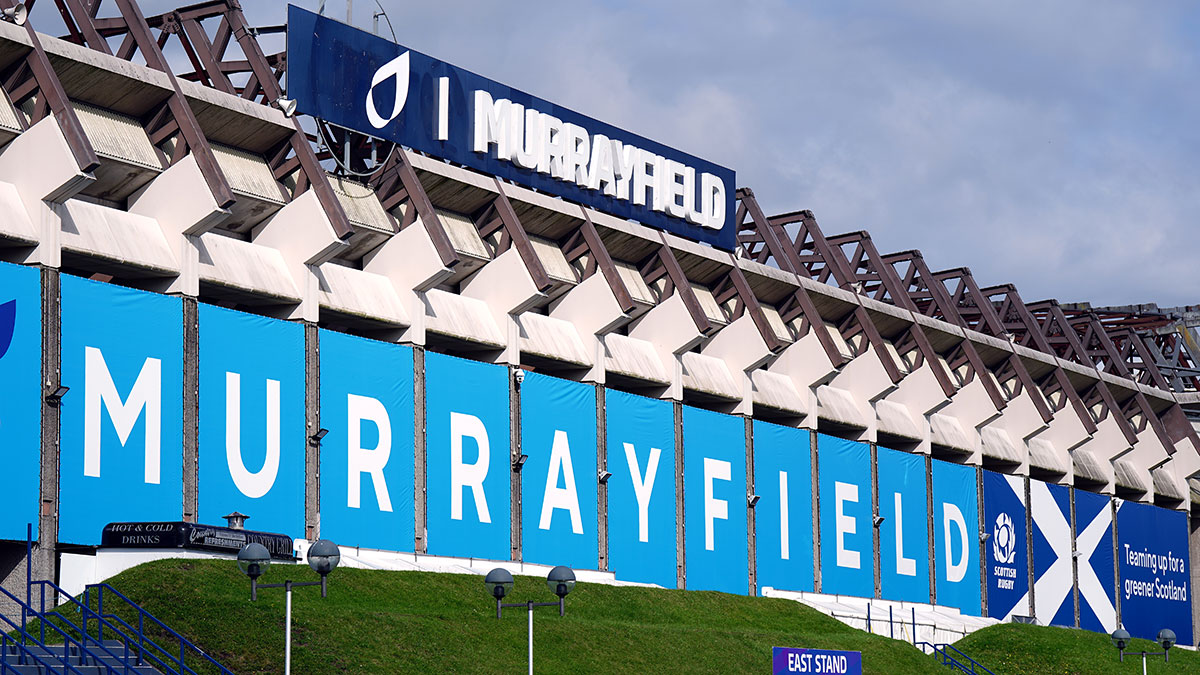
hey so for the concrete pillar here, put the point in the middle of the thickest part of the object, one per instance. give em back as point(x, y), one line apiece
point(930, 530)
point(514, 438)
point(751, 538)
point(983, 527)
point(1193, 558)
point(191, 410)
point(420, 497)
point(816, 510)
point(1029, 546)
point(1074, 562)
point(874, 513)
point(1117, 562)
point(312, 416)
point(680, 542)
point(601, 488)
point(45, 558)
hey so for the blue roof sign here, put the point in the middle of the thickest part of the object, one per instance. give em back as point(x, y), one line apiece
point(363, 82)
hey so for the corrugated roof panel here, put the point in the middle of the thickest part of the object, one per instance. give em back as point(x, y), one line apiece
point(709, 304)
point(116, 136)
point(634, 282)
point(553, 260)
point(248, 174)
point(464, 237)
point(777, 325)
point(361, 204)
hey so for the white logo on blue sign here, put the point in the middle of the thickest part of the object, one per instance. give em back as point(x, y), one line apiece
point(398, 70)
point(1004, 540)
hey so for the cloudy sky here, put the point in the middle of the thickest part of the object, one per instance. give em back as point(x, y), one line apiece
point(1050, 145)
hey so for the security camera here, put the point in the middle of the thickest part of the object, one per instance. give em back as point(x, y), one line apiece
point(518, 375)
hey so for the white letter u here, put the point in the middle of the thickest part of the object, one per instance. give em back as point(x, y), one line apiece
point(253, 485)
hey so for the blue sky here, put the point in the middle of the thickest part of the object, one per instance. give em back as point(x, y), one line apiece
point(1049, 145)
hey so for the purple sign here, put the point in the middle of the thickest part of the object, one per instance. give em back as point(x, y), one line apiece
point(825, 661)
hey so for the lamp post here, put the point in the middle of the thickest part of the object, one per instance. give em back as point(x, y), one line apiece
point(254, 559)
point(1166, 637)
point(560, 581)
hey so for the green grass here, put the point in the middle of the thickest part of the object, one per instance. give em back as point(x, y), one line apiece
point(391, 622)
point(1015, 648)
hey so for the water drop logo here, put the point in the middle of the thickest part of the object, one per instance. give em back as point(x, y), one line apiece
point(8, 323)
point(1004, 540)
point(398, 69)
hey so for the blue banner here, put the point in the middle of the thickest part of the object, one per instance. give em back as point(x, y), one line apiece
point(783, 524)
point(558, 486)
point(122, 422)
point(1007, 552)
point(956, 536)
point(367, 456)
point(1152, 550)
point(847, 545)
point(823, 661)
point(20, 397)
point(1094, 551)
point(360, 81)
point(714, 504)
point(252, 428)
point(1053, 583)
point(468, 458)
point(904, 533)
point(641, 492)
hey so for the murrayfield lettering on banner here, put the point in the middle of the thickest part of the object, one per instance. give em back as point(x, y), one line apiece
point(122, 434)
point(367, 456)
point(360, 81)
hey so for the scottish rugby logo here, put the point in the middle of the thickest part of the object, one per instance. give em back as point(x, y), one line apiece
point(1004, 545)
point(397, 69)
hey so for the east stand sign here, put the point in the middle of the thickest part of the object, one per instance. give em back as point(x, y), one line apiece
point(363, 82)
point(822, 661)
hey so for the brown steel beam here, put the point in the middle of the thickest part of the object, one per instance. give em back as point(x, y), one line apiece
point(55, 97)
point(776, 244)
point(419, 201)
point(606, 265)
point(520, 240)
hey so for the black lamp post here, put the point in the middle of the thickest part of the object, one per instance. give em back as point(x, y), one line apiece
point(1166, 637)
point(254, 559)
point(560, 581)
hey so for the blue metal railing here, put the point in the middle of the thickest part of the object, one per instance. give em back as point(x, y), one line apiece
point(942, 651)
point(91, 648)
point(56, 661)
point(143, 618)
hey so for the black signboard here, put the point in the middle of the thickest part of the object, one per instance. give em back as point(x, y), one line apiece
point(192, 536)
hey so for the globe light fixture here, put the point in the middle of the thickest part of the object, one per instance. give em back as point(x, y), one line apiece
point(254, 559)
point(560, 581)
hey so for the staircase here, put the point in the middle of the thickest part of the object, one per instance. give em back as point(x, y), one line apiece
point(68, 658)
point(950, 656)
point(101, 633)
